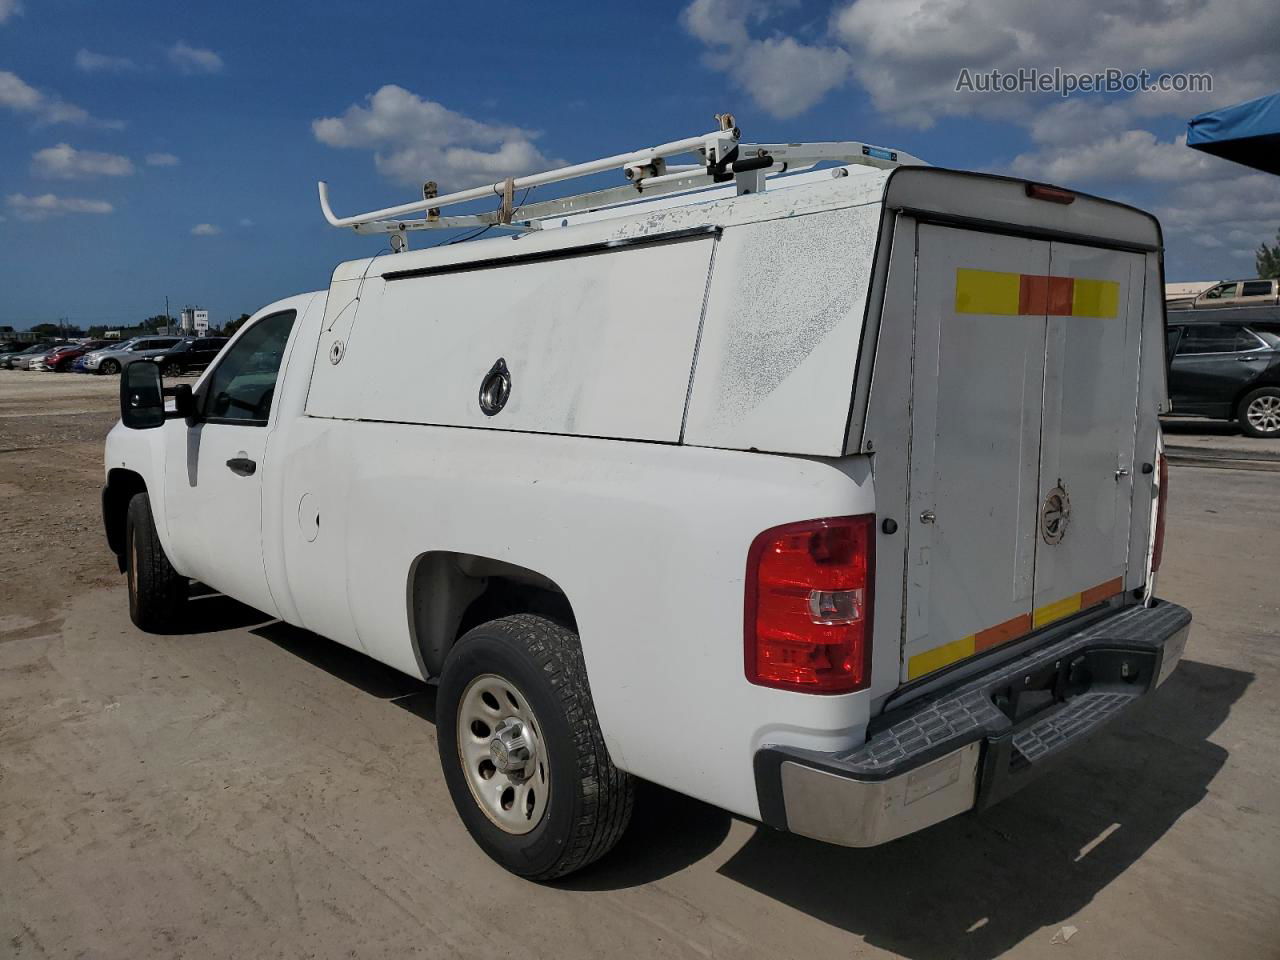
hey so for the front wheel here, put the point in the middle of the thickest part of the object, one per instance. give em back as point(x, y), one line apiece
point(522, 751)
point(157, 592)
point(171, 370)
point(109, 367)
point(1259, 413)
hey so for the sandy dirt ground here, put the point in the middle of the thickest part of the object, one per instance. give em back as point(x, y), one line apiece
point(251, 790)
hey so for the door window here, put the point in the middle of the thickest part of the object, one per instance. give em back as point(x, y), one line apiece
point(1256, 288)
point(1223, 291)
point(241, 388)
point(1216, 338)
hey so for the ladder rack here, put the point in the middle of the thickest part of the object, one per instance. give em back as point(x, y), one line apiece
point(720, 158)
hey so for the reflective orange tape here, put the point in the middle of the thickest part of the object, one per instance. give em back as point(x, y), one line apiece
point(1002, 633)
point(1102, 592)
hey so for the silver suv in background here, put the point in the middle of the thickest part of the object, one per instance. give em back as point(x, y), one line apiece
point(116, 358)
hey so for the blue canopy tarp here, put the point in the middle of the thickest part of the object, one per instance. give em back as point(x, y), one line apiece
point(1248, 133)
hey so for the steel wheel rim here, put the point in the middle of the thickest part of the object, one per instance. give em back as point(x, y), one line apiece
point(1264, 414)
point(513, 798)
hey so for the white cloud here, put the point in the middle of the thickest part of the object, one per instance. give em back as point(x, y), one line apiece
point(189, 59)
point(784, 75)
point(50, 205)
point(246, 222)
point(415, 140)
point(8, 8)
point(908, 53)
point(44, 108)
point(18, 95)
point(162, 160)
point(1116, 158)
point(65, 162)
point(90, 62)
point(205, 230)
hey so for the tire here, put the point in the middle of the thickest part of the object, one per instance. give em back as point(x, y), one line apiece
point(1259, 413)
point(171, 370)
point(109, 367)
point(587, 801)
point(157, 592)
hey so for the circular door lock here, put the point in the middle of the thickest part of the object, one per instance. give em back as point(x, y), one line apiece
point(1055, 512)
point(495, 389)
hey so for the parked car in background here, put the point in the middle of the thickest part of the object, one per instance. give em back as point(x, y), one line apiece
point(115, 358)
point(189, 356)
point(22, 359)
point(11, 350)
point(61, 358)
point(1233, 293)
point(1225, 370)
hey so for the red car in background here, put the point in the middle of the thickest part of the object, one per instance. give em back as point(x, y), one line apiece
point(61, 358)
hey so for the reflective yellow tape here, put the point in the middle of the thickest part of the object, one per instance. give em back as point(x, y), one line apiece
point(1056, 611)
point(1095, 298)
point(986, 291)
point(939, 657)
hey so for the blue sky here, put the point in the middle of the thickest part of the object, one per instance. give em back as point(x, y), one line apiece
point(126, 127)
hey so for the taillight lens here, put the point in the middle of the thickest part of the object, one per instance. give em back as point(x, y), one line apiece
point(808, 610)
point(1162, 505)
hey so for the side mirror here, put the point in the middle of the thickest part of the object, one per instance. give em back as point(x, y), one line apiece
point(141, 397)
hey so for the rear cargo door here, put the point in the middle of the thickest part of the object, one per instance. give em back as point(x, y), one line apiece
point(1087, 436)
point(977, 382)
point(1024, 399)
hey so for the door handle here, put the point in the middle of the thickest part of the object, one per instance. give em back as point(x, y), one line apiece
point(1246, 359)
point(242, 466)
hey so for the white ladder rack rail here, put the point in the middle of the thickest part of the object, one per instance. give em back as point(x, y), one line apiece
point(723, 158)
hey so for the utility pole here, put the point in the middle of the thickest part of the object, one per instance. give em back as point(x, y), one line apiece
point(167, 322)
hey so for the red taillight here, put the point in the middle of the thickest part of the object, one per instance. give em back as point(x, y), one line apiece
point(808, 612)
point(1162, 504)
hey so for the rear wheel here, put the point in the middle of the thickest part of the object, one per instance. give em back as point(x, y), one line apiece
point(109, 366)
point(522, 751)
point(1259, 413)
point(157, 592)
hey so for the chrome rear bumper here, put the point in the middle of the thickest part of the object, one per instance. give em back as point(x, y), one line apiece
point(975, 744)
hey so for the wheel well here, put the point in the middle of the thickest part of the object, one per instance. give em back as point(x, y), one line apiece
point(121, 487)
point(1245, 391)
point(450, 593)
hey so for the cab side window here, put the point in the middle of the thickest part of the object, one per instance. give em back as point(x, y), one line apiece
point(1223, 291)
point(242, 386)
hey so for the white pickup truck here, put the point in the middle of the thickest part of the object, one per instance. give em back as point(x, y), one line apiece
point(836, 504)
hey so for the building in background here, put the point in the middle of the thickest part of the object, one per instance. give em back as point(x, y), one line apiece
point(195, 320)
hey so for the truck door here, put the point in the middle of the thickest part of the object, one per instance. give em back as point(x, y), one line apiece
point(213, 470)
point(1090, 413)
point(1024, 401)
